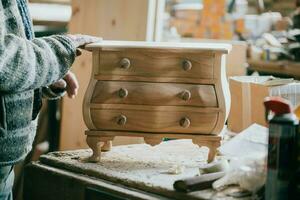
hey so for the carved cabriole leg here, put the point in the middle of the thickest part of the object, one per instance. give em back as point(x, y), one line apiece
point(212, 146)
point(95, 144)
point(152, 141)
point(107, 146)
point(98, 143)
point(212, 152)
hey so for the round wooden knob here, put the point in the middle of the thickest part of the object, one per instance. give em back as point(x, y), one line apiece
point(186, 95)
point(123, 93)
point(125, 63)
point(187, 65)
point(121, 120)
point(185, 122)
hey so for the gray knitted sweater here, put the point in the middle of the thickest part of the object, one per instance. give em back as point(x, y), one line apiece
point(25, 66)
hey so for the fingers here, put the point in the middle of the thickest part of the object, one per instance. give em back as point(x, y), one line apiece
point(72, 84)
point(82, 40)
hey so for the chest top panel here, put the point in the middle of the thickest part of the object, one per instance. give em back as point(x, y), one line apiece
point(160, 46)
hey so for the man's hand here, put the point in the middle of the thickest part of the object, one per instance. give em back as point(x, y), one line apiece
point(72, 84)
point(81, 40)
point(69, 83)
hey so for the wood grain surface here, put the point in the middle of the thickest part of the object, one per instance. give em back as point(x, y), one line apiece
point(156, 64)
point(152, 89)
point(159, 94)
point(154, 121)
point(161, 46)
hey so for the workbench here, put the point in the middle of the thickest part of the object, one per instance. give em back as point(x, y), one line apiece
point(137, 171)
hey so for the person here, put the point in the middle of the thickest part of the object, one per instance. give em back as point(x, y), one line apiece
point(30, 68)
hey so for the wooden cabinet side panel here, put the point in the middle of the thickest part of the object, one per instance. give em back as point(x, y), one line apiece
point(89, 92)
point(222, 91)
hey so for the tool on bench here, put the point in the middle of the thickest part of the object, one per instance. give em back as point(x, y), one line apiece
point(209, 173)
point(197, 183)
point(282, 155)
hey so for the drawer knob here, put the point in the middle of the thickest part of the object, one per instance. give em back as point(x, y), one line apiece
point(125, 63)
point(186, 95)
point(123, 93)
point(121, 120)
point(186, 65)
point(185, 122)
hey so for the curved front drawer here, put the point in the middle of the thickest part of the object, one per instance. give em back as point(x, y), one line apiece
point(156, 64)
point(161, 94)
point(154, 121)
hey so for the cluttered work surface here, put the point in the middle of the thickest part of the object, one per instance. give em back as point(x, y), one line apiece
point(140, 167)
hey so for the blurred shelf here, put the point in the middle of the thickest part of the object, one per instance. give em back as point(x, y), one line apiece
point(57, 15)
point(283, 68)
point(51, 1)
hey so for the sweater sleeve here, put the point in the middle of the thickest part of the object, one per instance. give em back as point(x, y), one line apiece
point(26, 65)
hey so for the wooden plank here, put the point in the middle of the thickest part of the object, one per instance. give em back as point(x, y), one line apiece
point(110, 19)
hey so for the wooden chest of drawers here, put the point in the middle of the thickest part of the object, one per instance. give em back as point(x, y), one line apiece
point(155, 91)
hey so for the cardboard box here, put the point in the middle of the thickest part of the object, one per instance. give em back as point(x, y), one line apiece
point(236, 60)
point(247, 96)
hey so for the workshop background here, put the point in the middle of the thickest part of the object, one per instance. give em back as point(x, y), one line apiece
point(264, 34)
